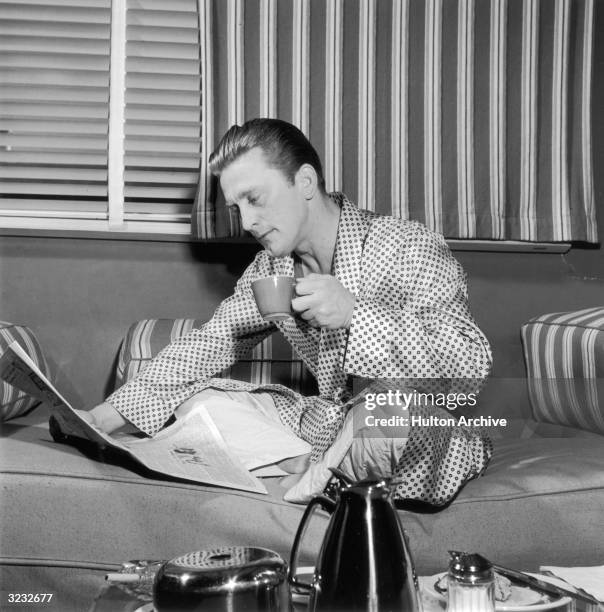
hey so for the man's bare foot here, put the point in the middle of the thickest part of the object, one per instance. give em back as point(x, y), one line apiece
point(295, 465)
point(289, 481)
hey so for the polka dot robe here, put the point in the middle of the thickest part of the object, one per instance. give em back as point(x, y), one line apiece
point(410, 321)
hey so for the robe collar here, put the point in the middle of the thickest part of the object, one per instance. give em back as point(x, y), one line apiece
point(352, 232)
point(346, 267)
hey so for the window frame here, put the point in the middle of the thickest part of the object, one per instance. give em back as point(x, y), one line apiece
point(114, 221)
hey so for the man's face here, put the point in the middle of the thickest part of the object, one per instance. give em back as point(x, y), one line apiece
point(272, 209)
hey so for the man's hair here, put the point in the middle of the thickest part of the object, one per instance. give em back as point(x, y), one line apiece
point(286, 148)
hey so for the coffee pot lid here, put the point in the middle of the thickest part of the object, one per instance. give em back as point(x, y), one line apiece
point(374, 489)
point(369, 487)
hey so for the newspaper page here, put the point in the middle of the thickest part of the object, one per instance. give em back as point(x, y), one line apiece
point(192, 448)
point(194, 445)
point(18, 369)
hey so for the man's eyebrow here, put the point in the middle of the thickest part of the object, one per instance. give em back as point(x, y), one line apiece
point(233, 201)
point(245, 194)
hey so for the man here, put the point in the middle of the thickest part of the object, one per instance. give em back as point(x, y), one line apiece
point(376, 297)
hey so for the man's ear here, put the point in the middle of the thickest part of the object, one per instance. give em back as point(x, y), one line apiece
point(306, 179)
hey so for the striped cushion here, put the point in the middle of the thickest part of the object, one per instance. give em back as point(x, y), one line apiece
point(271, 361)
point(564, 354)
point(14, 402)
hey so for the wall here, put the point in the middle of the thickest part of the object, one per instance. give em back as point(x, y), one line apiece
point(80, 296)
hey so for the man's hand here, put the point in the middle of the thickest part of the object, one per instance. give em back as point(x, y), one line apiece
point(323, 301)
point(105, 417)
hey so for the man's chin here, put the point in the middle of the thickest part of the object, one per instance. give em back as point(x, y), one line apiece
point(275, 252)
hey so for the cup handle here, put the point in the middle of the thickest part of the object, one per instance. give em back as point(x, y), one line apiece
point(328, 505)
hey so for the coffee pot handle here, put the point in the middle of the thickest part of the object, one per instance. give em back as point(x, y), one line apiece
point(328, 505)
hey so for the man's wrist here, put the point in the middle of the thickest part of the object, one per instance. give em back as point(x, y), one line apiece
point(107, 418)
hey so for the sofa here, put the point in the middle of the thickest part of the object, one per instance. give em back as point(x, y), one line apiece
point(71, 514)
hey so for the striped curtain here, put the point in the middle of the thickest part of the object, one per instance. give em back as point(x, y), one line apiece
point(472, 116)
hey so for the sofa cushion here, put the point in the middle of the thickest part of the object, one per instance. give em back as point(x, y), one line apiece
point(564, 354)
point(271, 361)
point(539, 502)
point(14, 402)
point(67, 516)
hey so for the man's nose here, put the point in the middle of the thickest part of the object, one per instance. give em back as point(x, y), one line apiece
point(248, 218)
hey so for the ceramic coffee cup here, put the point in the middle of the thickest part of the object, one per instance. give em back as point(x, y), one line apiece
point(273, 295)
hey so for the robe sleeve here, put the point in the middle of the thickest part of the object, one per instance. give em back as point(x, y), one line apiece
point(416, 323)
point(183, 368)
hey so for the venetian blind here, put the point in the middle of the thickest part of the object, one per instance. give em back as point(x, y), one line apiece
point(54, 92)
point(162, 117)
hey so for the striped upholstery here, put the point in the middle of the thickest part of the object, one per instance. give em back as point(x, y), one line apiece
point(564, 354)
point(14, 402)
point(272, 361)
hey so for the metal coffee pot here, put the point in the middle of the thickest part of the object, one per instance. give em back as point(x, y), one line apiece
point(364, 563)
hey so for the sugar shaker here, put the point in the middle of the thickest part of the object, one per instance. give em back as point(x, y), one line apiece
point(471, 584)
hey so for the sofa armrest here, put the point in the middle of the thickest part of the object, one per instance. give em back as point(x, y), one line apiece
point(13, 402)
point(564, 356)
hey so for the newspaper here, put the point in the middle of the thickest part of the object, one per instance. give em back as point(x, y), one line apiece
point(192, 448)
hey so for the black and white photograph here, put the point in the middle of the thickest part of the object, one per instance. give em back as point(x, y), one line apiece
point(302, 305)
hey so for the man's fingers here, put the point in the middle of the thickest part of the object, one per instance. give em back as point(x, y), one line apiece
point(301, 304)
point(311, 283)
point(305, 287)
point(309, 317)
point(304, 307)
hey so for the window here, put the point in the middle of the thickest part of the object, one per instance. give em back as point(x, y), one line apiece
point(100, 114)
